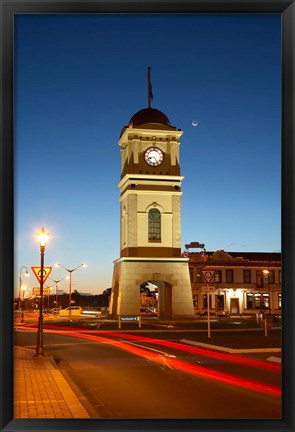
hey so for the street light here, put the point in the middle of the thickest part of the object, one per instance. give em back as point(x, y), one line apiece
point(42, 237)
point(56, 287)
point(20, 288)
point(70, 291)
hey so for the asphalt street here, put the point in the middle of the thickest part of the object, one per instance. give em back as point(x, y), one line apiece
point(148, 375)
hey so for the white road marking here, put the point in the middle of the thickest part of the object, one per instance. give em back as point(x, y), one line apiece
point(165, 354)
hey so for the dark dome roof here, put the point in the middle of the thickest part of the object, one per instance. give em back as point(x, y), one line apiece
point(148, 115)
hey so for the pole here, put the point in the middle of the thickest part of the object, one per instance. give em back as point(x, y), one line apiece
point(149, 87)
point(56, 294)
point(70, 295)
point(208, 301)
point(19, 290)
point(39, 348)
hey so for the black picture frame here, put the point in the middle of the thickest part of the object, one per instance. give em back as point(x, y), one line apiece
point(11, 7)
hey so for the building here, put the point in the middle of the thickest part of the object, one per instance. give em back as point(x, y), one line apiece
point(150, 218)
point(244, 282)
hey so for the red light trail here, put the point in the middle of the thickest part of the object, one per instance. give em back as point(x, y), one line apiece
point(179, 365)
point(203, 352)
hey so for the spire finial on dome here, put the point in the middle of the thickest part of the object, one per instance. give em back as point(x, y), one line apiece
point(150, 93)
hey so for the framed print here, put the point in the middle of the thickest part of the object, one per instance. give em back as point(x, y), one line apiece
point(147, 215)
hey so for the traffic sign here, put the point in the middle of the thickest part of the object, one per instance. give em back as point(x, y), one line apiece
point(208, 288)
point(208, 275)
point(36, 291)
point(37, 273)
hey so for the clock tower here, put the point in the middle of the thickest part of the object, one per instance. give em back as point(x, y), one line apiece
point(150, 219)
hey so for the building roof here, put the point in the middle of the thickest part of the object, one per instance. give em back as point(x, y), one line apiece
point(234, 258)
point(254, 256)
point(149, 118)
point(148, 115)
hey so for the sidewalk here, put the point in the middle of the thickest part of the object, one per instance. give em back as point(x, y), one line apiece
point(40, 390)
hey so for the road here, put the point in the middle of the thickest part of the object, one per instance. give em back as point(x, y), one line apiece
point(120, 375)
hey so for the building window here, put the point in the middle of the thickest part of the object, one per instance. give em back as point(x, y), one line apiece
point(280, 301)
point(249, 301)
point(280, 276)
point(191, 273)
point(247, 276)
point(205, 301)
point(154, 224)
point(259, 279)
point(218, 276)
point(257, 301)
point(199, 275)
point(229, 276)
point(271, 277)
point(195, 300)
point(219, 301)
point(265, 301)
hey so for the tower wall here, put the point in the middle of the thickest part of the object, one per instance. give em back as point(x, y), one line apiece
point(150, 179)
point(130, 274)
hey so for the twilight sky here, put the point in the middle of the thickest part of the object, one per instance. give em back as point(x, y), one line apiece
point(78, 81)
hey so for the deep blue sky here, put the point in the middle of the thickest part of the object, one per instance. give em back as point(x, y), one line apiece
point(78, 81)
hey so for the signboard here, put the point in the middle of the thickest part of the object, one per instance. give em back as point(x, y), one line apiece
point(208, 275)
point(208, 288)
point(37, 273)
point(36, 291)
point(133, 318)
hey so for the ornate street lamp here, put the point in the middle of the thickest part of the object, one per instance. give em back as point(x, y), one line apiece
point(20, 288)
point(70, 291)
point(42, 237)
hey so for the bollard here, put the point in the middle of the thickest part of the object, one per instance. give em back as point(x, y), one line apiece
point(265, 327)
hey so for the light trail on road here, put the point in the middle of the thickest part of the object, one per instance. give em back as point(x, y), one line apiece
point(179, 365)
point(204, 352)
point(238, 359)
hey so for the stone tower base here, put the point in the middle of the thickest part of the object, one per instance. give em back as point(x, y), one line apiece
point(171, 275)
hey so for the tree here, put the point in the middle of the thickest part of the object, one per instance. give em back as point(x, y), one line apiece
point(148, 301)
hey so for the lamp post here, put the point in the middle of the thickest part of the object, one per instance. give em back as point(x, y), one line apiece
point(48, 297)
point(56, 288)
point(70, 291)
point(20, 287)
point(42, 237)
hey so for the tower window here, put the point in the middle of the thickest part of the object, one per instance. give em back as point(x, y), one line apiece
point(154, 224)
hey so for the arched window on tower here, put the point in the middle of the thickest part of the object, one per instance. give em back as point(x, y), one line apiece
point(154, 224)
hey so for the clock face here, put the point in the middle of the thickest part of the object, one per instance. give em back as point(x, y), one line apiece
point(154, 156)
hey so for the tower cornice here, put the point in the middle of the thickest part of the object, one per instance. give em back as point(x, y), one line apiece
point(130, 134)
point(149, 179)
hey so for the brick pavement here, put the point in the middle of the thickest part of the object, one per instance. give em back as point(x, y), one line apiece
point(41, 391)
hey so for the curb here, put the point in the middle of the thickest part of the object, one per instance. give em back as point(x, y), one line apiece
point(231, 350)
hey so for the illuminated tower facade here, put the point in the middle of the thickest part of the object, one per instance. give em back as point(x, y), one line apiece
point(150, 219)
